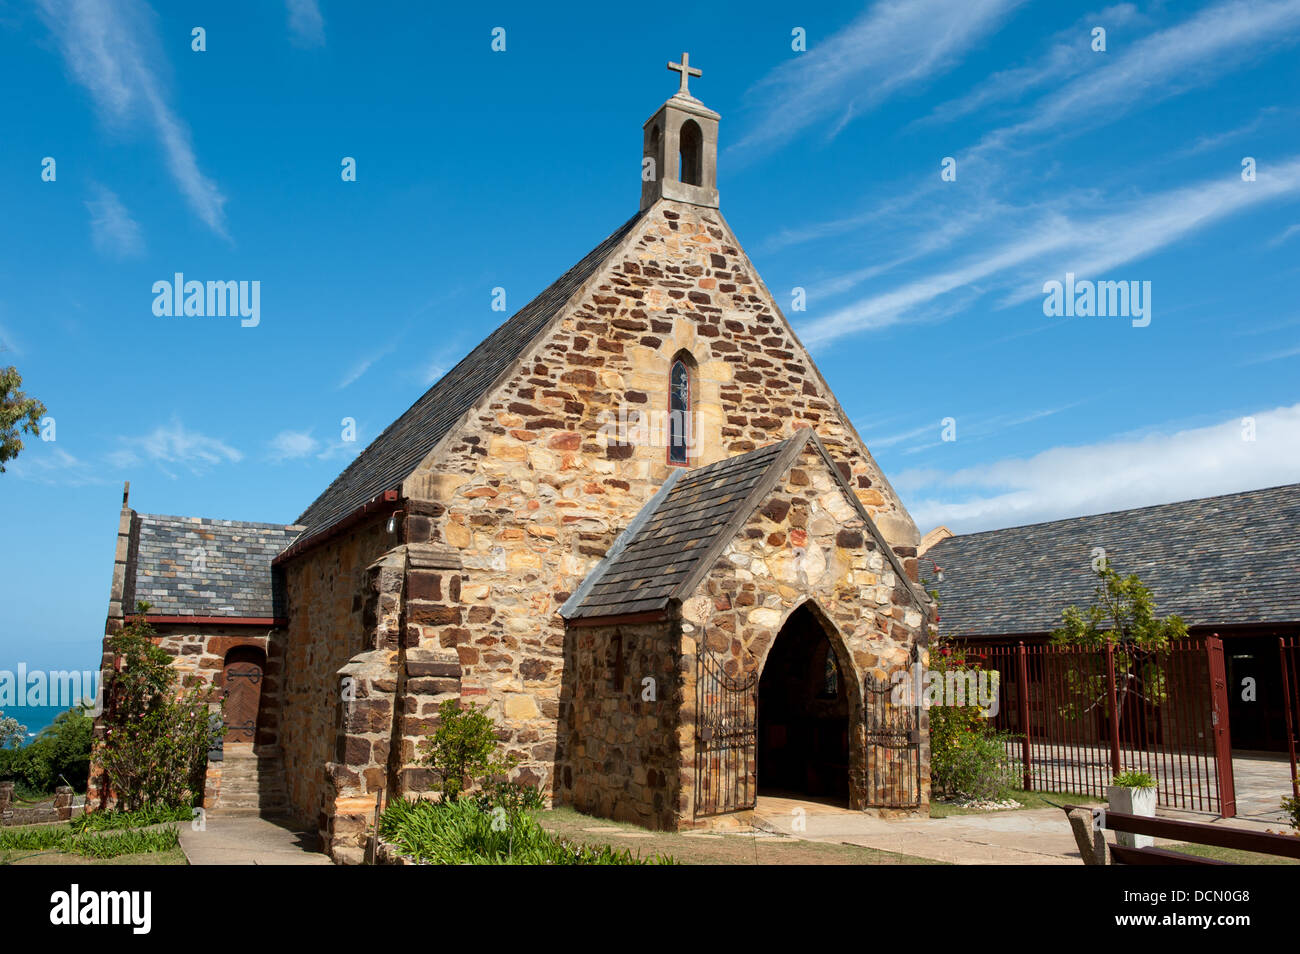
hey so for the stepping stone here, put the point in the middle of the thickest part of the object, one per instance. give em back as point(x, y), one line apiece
point(602, 829)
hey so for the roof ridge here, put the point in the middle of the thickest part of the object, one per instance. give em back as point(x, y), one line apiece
point(435, 412)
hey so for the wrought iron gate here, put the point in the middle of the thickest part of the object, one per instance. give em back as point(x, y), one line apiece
point(725, 739)
point(893, 754)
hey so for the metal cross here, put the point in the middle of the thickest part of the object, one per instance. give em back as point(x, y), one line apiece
point(686, 71)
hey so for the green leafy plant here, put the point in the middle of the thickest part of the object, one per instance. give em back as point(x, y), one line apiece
point(463, 749)
point(1123, 612)
point(112, 844)
point(967, 758)
point(1291, 808)
point(459, 831)
point(1122, 615)
point(18, 413)
point(156, 737)
point(60, 754)
point(12, 732)
point(142, 818)
point(1133, 779)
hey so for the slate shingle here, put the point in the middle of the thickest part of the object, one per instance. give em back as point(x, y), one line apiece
point(191, 566)
point(678, 534)
point(1214, 561)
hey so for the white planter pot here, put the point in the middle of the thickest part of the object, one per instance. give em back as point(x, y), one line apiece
point(1132, 801)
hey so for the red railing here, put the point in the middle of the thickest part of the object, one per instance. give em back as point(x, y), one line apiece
point(1073, 718)
point(1289, 649)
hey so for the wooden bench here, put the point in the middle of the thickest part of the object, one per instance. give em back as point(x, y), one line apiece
point(1093, 848)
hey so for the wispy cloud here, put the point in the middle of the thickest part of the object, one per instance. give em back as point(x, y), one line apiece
point(110, 47)
point(1081, 243)
point(47, 464)
point(172, 444)
point(291, 445)
point(1288, 233)
point(1166, 63)
point(1109, 475)
point(112, 229)
point(1068, 54)
point(306, 26)
point(891, 45)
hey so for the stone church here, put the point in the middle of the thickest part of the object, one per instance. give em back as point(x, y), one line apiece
point(634, 523)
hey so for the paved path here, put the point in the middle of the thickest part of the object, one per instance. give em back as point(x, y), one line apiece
point(1039, 836)
point(249, 840)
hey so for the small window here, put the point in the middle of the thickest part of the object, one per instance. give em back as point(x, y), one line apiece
point(691, 141)
point(679, 413)
point(830, 676)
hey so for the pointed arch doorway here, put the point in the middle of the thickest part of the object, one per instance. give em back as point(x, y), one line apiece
point(806, 706)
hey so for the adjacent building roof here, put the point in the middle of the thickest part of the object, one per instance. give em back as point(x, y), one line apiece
point(394, 454)
point(1229, 560)
point(190, 566)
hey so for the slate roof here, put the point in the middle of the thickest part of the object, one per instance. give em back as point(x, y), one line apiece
point(1214, 561)
point(393, 455)
point(677, 535)
point(234, 577)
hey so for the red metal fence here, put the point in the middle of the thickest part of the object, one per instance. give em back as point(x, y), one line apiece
point(1075, 717)
point(1289, 649)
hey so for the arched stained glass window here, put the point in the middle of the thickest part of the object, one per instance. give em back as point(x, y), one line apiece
point(679, 413)
point(831, 676)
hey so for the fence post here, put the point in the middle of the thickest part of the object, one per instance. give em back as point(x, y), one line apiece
point(1288, 705)
point(1219, 727)
point(1114, 709)
point(1026, 754)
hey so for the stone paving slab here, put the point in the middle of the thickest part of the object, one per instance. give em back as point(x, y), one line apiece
point(249, 840)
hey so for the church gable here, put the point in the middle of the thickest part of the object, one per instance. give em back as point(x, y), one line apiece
point(596, 383)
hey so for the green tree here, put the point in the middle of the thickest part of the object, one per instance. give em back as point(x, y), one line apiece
point(463, 748)
point(12, 732)
point(1122, 615)
point(1123, 612)
point(18, 413)
point(156, 736)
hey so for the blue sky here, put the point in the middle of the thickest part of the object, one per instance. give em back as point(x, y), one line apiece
point(478, 169)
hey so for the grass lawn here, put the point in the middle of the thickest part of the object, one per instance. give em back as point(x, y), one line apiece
point(1027, 801)
point(715, 848)
point(173, 857)
point(54, 844)
point(1233, 855)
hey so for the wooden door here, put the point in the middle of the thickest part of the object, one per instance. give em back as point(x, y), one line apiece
point(242, 678)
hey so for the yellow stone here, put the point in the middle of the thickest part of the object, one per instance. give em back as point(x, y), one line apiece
point(521, 707)
point(457, 535)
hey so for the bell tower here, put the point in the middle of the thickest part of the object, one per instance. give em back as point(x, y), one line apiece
point(679, 155)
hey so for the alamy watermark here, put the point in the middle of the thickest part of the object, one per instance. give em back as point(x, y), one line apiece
point(1087, 299)
point(192, 299)
point(955, 687)
point(58, 689)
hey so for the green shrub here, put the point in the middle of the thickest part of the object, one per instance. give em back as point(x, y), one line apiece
point(59, 752)
point(967, 759)
point(463, 748)
point(111, 845)
point(157, 739)
point(1133, 779)
point(141, 818)
point(1291, 807)
point(459, 832)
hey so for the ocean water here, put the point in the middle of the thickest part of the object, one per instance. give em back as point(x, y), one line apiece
point(34, 717)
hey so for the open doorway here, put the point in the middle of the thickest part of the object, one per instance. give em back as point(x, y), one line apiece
point(803, 714)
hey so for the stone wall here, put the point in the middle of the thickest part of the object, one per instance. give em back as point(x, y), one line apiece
point(806, 542)
point(326, 589)
point(620, 754)
point(532, 491)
